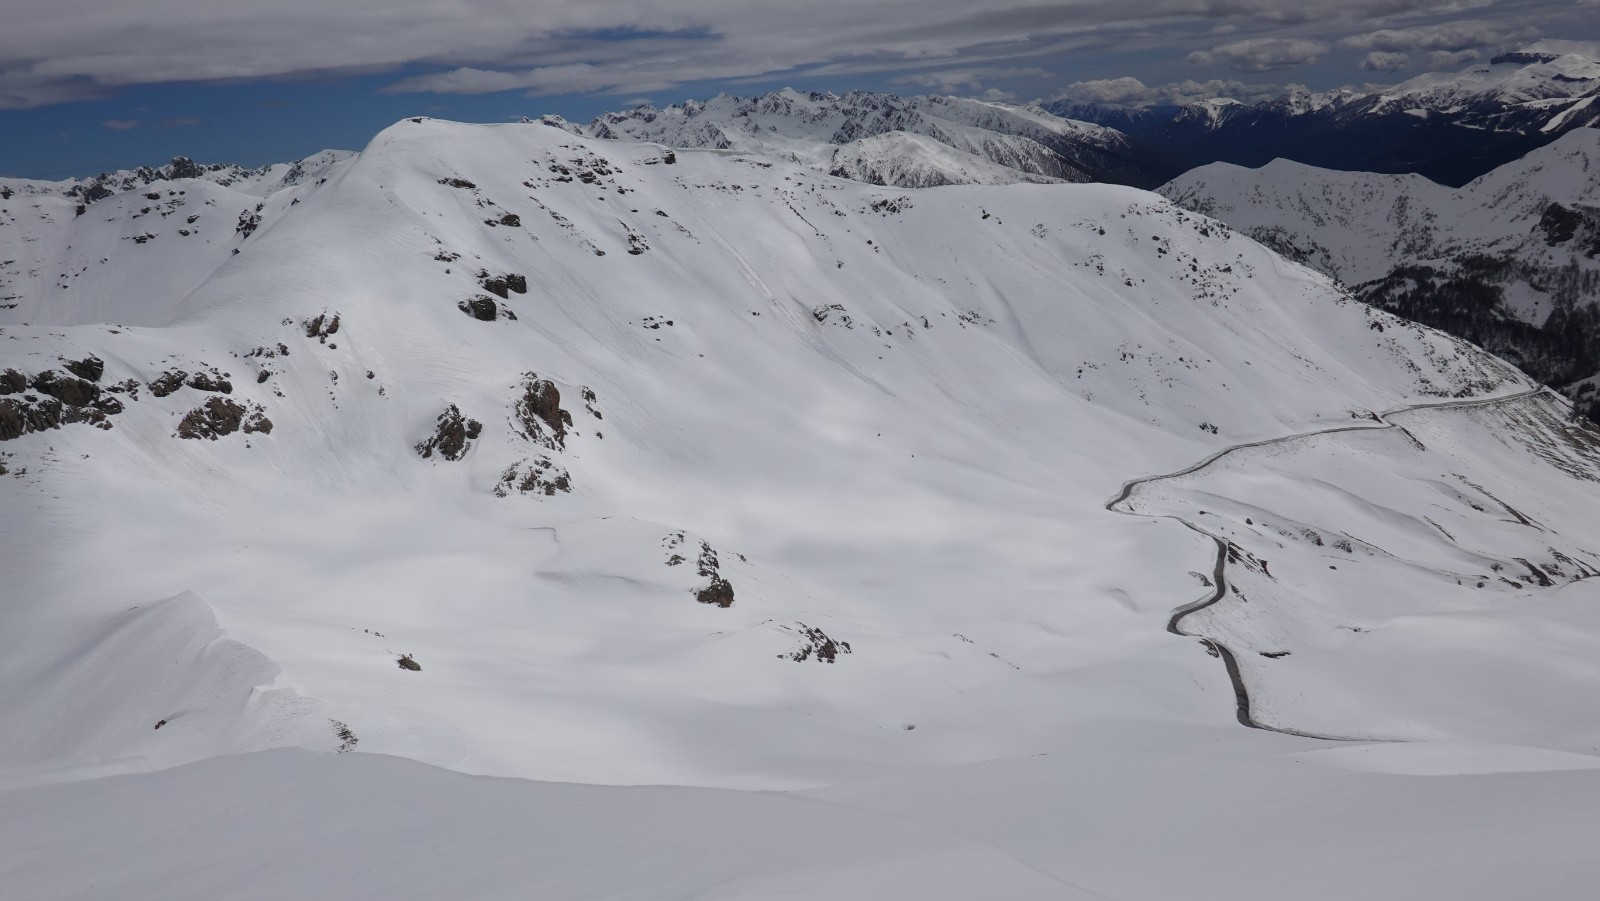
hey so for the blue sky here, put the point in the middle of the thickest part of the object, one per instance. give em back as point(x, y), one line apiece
point(86, 87)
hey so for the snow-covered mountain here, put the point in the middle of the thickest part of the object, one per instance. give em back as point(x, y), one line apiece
point(1511, 261)
point(885, 139)
point(1450, 127)
point(973, 520)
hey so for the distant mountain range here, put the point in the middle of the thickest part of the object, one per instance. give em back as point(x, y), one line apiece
point(1448, 127)
point(260, 180)
point(907, 142)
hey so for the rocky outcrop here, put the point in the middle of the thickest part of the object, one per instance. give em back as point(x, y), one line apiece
point(18, 417)
point(167, 382)
point(718, 591)
point(90, 367)
point(322, 326)
point(540, 475)
point(453, 435)
point(203, 380)
point(68, 389)
point(50, 400)
point(503, 286)
point(538, 412)
point(815, 645)
point(484, 309)
point(220, 416)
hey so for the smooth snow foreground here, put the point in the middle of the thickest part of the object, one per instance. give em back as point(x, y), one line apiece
point(521, 454)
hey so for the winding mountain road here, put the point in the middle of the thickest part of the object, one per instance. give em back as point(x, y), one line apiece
point(1219, 578)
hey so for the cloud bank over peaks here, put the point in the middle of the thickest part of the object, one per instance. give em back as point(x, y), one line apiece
point(1130, 91)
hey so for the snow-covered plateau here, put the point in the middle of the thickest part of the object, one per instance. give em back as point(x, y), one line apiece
point(503, 512)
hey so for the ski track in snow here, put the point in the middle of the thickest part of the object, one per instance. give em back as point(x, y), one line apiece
point(1219, 570)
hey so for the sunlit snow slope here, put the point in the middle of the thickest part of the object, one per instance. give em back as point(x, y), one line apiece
point(884, 418)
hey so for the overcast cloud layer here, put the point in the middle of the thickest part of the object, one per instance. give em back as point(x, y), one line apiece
point(53, 51)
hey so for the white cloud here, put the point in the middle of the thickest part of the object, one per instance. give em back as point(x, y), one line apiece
point(120, 124)
point(1384, 61)
point(1262, 54)
point(1452, 59)
point(969, 79)
point(1126, 90)
point(1448, 37)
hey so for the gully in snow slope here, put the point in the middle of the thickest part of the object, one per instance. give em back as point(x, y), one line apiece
point(1219, 572)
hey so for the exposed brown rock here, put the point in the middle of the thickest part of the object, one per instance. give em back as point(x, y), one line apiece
point(68, 389)
point(452, 435)
point(538, 410)
point(168, 382)
point(539, 476)
point(481, 308)
point(90, 367)
point(216, 417)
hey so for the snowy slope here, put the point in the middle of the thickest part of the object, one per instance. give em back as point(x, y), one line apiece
point(523, 453)
point(1098, 820)
point(1512, 260)
point(886, 139)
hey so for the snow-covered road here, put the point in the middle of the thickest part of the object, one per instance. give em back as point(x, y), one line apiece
point(1219, 577)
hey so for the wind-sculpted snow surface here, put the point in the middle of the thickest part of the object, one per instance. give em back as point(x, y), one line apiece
point(595, 461)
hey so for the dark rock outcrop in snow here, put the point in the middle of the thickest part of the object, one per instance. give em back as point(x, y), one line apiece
point(220, 416)
point(453, 435)
point(538, 412)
